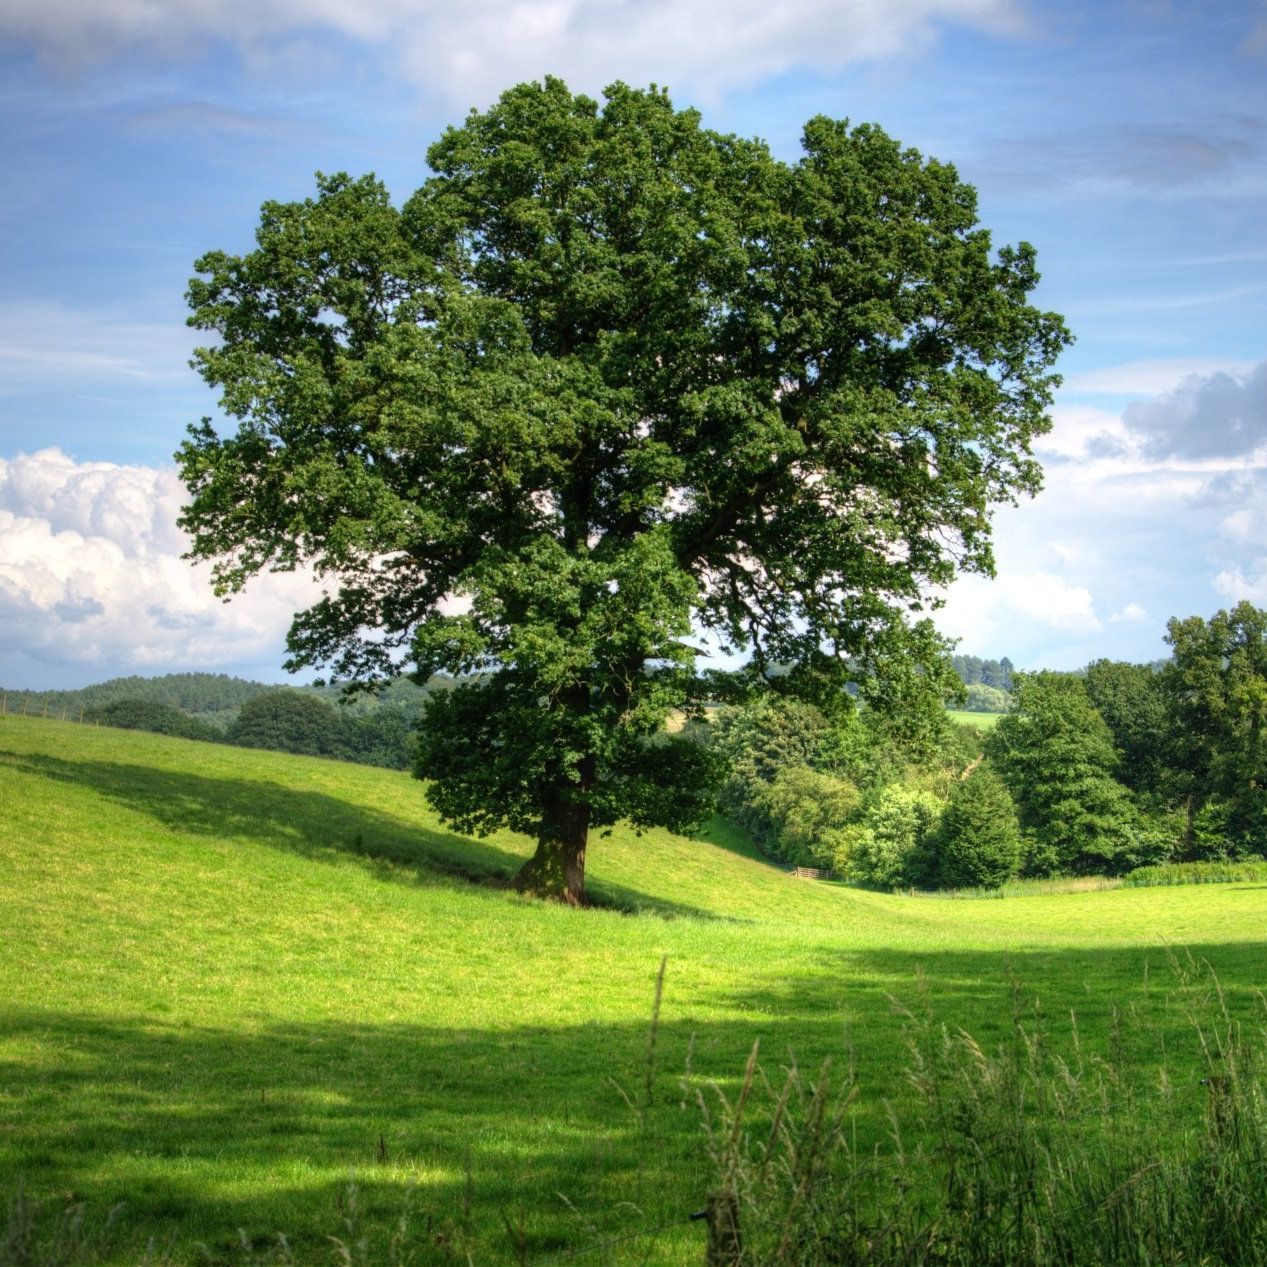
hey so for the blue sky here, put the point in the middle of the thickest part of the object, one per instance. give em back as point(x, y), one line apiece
point(1126, 140)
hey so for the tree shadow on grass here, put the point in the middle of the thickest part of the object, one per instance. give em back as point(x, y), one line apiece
point(205, 1130)
point(312, 824)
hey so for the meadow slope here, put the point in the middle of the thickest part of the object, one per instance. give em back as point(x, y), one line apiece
point(231, 979)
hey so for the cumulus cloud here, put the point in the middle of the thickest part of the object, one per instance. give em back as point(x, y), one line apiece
point(986, 614)
point(91, 574)
point(1045, 598)
point(467, 53)
point(1236, 587)
point(1221, 415)
point(1080, 431)
point(1155, 510)
point(1150, 377)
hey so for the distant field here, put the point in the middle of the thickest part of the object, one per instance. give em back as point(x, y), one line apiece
point(982, 721)
point(231, 979)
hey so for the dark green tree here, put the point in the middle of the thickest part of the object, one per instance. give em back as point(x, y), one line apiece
point(287, 721)
point(1056, 756)
point(978, 844)
point(380, 736)
point(145, 714)
point(1216, 689)
point(607, 378)
point(1132, 701)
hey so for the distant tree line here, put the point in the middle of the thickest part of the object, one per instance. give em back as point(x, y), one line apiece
point(988, 682)
point(210, 696)
point(373, 729)
point(1096, 772)
point(975, 671)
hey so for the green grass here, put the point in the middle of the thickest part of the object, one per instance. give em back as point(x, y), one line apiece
point(231, 979)
point(1221, 871)
point(981, 721)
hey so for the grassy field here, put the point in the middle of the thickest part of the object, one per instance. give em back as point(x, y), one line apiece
point(981, 721)
point(232, 980)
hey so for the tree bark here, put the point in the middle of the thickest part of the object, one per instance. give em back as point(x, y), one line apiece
point(557, 869)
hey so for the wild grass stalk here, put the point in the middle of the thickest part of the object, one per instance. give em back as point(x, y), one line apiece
point(1028, 1155)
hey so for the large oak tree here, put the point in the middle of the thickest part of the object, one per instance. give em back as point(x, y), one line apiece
point(607, 380)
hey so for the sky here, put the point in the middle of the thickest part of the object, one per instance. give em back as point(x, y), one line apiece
point(1126, 140)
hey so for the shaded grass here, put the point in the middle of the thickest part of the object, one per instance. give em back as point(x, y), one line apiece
point(231, 979)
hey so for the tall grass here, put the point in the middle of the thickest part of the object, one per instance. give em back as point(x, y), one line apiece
point(1033, 1154)
point(1226, 871)
point(1048, 885)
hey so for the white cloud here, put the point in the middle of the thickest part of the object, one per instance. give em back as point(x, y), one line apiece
point(1156, 511)
point(987, 614)
point(1236, 587)
point(1051, 600)
point(1080, 430)
point(1240, 525)
point(91, 574)
point(467, 53)
point(1131, 612)
point(1150, 377)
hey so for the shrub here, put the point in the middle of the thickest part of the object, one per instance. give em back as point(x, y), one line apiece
point(287, 721)
point(383, 736)
point(805, 807)
point(985, 699)
point(898, 824)
point(161, 719)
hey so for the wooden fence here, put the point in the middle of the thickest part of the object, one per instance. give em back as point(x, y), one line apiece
point(813, 873)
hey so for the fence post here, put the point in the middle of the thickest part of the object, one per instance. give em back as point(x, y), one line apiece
point(725, 1245)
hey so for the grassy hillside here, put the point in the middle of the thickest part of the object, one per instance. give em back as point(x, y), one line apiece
point(232, 979)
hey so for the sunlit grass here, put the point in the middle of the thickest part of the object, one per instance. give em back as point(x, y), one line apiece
point(982, 721)
point(230, 979)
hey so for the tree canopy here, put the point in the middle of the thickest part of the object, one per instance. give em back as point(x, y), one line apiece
point(1216, 687)
point(1056, 755)
point(606, 382)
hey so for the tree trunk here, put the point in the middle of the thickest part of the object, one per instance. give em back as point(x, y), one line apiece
point(557, 869)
